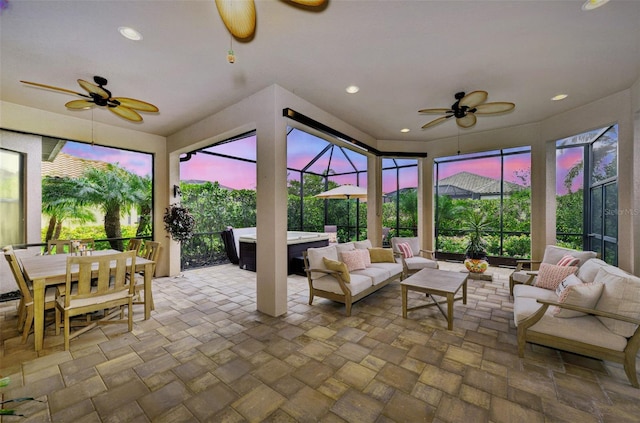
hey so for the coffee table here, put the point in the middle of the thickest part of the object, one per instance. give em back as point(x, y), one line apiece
point(435, 282)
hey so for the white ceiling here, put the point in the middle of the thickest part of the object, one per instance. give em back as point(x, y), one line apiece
point(403, 54)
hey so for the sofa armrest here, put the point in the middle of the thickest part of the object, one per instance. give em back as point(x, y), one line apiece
point(428, 254)
point(520, 264)
point(335, 274)
point(591, 311)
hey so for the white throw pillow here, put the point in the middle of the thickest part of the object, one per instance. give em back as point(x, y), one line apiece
point(570, 280)
point(582, 295)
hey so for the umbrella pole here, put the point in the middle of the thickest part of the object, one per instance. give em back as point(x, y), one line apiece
point(348, 219)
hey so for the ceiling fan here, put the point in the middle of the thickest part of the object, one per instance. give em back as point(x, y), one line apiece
point(98, 95)
point(466, 107)
point(239, 16)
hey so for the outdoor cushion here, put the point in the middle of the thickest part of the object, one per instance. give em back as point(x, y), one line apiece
point(621, 295)
point(365, 244)
point(366, 257)
point(530, 291)
point(588, 271)
point(405, 249)
point(583, 295)
point(415, 263)
point(328, 283)
point(553, 254)
point(353, 259)
point(338, 266)
point(315, 256)
point(570, 280)
point(377, 275)
point(381, 255)
point(347, 246)
point(413, 241)
point(392, 268)
point(550, 275)
point(568, 260)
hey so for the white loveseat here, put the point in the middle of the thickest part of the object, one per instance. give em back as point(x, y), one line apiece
point(608, 318)
point(330, 284)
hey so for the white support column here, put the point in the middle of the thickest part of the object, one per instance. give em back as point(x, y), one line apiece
point(374, 200)
point(426, 212)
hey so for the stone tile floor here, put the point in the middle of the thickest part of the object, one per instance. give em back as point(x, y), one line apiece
point(207, 355)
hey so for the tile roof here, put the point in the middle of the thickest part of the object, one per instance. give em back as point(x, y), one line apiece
point(478, 184)
point(67, 165)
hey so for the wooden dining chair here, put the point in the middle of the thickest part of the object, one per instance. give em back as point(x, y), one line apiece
point(57, 246)
point(150, 251)
point(134, 244)
point(111, 288)
point(25, 307)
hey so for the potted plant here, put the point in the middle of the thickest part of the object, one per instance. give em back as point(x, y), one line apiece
point(476, 249)
point(179, 222)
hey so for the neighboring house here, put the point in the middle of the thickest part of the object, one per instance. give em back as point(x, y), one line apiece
point(477, 187)
point(65, 165)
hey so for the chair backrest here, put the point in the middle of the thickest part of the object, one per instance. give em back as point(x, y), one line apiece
point(89, 243)
point(57, 246)
point(152, 252)
point(332, 230)
point(134, 244)
point(21, 281)
point(413, 242)
point(96, 277)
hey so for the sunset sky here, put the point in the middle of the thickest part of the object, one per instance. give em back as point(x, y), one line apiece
point(301, 149)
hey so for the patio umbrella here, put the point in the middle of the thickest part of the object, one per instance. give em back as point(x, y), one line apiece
point(345, 192)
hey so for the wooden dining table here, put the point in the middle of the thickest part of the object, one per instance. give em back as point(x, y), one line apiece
point(48, 270)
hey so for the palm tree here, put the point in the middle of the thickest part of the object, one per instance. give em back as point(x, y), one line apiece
point(60, 204)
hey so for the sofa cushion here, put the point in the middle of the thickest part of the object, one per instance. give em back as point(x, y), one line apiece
point(413, 241)
point(315, 256)
point(621, 295)
point(588, 271)
point(353, 259)
point(346, 246)
point(381, 255)
point(586, 329)
point(553, 254)
point(416, 263)
point(366, 257)
point(583, 295)
point(405, 249)
point(377, 275)
point(338, 266)
point(550, 275)
point(392, 268)
point(530, 291)
point(328, 283)
point(365, 244)
point(568, 260)
point(570, 280)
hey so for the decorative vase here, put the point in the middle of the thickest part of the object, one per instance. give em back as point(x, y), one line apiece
point(476, 265)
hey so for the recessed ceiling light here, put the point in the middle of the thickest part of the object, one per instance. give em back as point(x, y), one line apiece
point(559, 97)
point(405, 130)
point(593, 4)
point(352, 89)
point(130, 33)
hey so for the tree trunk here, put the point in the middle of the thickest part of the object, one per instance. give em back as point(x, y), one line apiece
point(51, 228)
point(145, 221)
point(112, 227)
point(56, 235)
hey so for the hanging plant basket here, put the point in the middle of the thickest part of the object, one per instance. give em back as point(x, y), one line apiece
point(179, 222)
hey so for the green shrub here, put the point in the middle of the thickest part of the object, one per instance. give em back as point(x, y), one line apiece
point(517, 246)
point(91, 231)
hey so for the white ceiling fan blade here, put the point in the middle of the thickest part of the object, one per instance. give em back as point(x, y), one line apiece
point(466, 121)
point(435, 122)
point(497, 107)
point(239, 16)
point(132, 103)
point(126, 113)
point(93, 88)
point(80, 104)
point(474, 98)
point(436, 111)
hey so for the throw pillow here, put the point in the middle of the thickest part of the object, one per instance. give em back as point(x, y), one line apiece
point(621, 295)
point(583, 295)
point(339, 267)
point(405, 249)
point(568, 260)
point(570, 280)
point(381, 255)
point(353, 260)
point(366, 258)
point(550, 275)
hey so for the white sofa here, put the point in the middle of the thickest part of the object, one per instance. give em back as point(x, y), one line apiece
point(608, 318)
point(329, 284)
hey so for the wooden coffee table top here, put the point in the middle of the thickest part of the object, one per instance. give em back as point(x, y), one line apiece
point(443, 281)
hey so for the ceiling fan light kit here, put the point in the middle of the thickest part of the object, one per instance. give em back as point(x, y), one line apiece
point(466, 107)
point(98, 95)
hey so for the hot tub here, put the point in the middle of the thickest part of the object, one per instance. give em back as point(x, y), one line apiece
point(297, 242)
